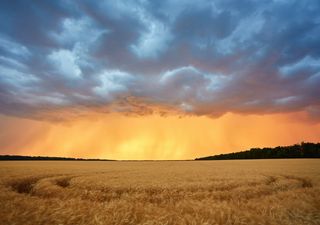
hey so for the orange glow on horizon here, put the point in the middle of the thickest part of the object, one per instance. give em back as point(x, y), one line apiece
point(115, 136)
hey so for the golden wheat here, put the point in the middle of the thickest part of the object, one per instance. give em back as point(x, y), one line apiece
point(178, 192)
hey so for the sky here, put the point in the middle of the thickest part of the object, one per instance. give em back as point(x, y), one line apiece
point(142, 79)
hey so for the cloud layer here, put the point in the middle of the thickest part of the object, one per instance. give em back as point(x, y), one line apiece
point(199, 58)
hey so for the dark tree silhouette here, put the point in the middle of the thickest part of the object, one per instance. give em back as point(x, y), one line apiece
point(303, 150)
point(20, 157)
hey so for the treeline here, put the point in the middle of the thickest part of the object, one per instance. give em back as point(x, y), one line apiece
point(20, 157)
point(303, 150)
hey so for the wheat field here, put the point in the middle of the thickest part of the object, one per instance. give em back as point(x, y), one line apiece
point(160, 192)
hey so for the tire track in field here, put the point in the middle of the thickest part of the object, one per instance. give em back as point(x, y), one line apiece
point(27, 185)
point(305, 182)
point(24, 186)
point(58, 186)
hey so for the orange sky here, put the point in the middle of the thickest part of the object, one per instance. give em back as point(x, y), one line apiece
point(115, 136)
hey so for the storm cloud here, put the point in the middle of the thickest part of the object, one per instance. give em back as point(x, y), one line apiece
point(188, 57)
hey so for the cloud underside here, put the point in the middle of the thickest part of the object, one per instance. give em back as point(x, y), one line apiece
point(181, 57)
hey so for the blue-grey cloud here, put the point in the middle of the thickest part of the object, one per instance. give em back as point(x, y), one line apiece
point(202, 58)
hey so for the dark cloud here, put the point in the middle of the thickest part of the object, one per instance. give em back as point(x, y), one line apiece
point(203, 58)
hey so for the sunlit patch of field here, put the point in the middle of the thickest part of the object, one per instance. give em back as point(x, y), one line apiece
point(178, 192)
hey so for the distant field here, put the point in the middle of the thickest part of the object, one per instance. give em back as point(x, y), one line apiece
point(273, 192)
